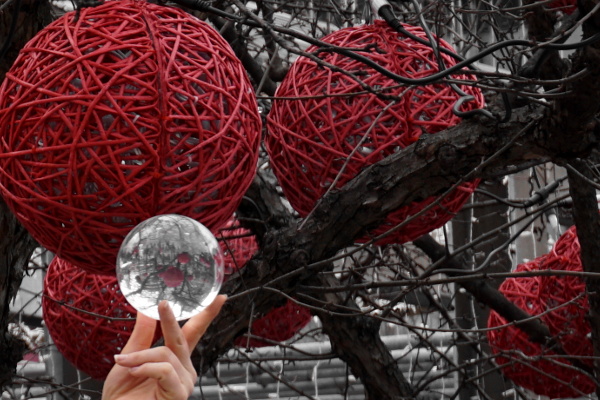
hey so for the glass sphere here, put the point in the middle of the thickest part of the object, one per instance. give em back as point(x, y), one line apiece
point(170, 257)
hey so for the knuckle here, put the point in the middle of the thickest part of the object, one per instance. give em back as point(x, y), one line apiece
point(166, 353)
point(164, 369)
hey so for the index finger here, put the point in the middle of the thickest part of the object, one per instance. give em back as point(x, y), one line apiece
point(172, 334)
point(198, 324)
point(142, 336)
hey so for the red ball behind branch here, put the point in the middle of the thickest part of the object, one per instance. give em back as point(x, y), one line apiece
point(325, 127)
point(566, 299)
point(528, 364)
point(281, 323)
point(566, 6)
point(88, 318)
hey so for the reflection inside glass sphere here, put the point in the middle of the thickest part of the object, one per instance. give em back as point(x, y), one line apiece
point(170, 257)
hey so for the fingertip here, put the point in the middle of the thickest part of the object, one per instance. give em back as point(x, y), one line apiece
point(164, 305)
point(197, 325)
point(217, 304)
point(120, 358)
point(165, 311)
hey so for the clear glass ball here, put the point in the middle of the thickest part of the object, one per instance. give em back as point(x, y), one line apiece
point(170, 257)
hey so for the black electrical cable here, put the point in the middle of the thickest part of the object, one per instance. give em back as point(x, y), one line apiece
point(386, 12)
point(464, 97)
point(457, 67)
point(205, 6)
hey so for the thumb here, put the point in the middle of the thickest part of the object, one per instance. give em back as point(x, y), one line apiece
point(198, 324)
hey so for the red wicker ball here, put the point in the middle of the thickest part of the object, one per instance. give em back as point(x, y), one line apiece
point(124, 112)
point(565, 298)
point(238, 245)
point(78, 308)
point(281, 323)
point(526, 363)
point(321, 116)
point(566, 6)
point(278, 325)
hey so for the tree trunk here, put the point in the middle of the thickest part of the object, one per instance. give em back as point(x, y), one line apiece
point(16, 247)
point(587, 220)
point(19, 22)
point(356, 340)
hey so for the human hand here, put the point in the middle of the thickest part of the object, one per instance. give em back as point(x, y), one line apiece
point(160, 373)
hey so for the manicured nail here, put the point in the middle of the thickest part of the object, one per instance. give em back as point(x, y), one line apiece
point(120, 357)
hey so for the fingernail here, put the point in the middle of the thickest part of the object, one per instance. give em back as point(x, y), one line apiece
point(120, 357)
point(165, 304)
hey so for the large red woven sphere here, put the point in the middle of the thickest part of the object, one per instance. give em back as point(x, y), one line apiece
point(526, 363)
point(566, 299)
point(79, 310)
point(127, 111)
point(321, 116)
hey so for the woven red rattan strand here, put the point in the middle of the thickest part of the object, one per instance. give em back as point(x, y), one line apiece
point(565, 295)
point(542, 371)
point(88, 341)
point(238, 245)
point(279, 324)
point(130, 111)
point(321, 115)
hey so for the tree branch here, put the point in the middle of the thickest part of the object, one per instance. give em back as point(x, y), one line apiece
point(473, 149)
point(486, 294)
point(356, 340)
point(587, 220)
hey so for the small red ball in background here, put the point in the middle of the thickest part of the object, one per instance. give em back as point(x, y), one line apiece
point(279, 324)
point(526, 363)
point(320, 116)
point(566, 299)
point(238, 245)
point(79, 310)
point(566, 6)
point(129, 111)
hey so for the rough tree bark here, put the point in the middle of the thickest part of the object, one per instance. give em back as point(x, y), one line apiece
point(571, 117)
point(19, 22)
point(16, 247)
point(477, 148)
point(587, 220)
